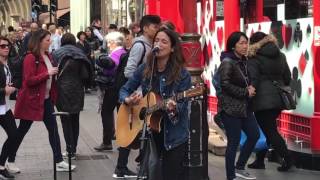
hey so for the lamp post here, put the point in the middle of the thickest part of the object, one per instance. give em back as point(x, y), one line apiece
point(197, 166)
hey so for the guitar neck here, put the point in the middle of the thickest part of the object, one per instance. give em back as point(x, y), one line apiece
point(163, 103)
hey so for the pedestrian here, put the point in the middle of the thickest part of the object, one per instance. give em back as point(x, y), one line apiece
point(33, 28)
point(127, 37)
point(83, 44)
point(267, 64)
point(54, 38)
point(75, 72)
point(149, 25)
point(96, 30)
point(38, 94)
point(7, 120)
point(169, 78)
point(105, 80)
point(234, 105)
point(93, 42)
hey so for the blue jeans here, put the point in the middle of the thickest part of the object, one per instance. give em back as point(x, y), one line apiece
point(50, 122)
point(233, 126)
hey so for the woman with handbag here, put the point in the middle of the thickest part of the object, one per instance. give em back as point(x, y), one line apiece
point(267, 66)
point(75, 72)
point(7, 120)
point(233, 104)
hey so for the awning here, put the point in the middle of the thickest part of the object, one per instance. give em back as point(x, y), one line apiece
point(45, 17)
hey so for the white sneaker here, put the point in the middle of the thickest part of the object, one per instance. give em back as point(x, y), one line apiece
point(65, 156)
point(12, 168)
point(63, 166)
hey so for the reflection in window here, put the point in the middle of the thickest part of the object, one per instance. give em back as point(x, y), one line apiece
point(295, 9)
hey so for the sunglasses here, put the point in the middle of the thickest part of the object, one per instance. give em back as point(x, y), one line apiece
point(4, 46)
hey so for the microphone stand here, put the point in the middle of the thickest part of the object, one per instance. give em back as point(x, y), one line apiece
point(143, 138)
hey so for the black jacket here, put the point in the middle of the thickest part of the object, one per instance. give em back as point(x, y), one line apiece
point(234, 99)
point(85, 48)
point(74, 72)
point(2, 85)
point(266, 64)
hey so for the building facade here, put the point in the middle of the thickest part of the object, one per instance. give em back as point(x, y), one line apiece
point(14, 12)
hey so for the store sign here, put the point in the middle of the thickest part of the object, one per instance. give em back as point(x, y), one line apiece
point(316, 37)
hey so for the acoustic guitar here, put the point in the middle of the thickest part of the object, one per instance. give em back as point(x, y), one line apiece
point(130, 118)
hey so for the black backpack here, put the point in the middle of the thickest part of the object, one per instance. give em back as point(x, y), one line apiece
point(120, 79)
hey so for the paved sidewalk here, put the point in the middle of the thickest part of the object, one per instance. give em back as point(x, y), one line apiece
point(35, 157)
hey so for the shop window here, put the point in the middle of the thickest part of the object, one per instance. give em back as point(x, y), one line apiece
point(295, 9)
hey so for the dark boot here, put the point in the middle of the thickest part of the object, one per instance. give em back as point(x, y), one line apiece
point(286, 163)
point(103, 147)
point(258, 163)
point(273, 156)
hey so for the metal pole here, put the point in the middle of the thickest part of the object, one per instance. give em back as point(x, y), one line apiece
point(50, 11)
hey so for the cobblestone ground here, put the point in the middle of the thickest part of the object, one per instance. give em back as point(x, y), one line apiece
point(35, 157)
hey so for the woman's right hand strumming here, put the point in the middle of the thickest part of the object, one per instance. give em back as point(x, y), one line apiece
point(133, 99)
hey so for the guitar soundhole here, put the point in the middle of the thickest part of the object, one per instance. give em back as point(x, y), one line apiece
point(143, 113)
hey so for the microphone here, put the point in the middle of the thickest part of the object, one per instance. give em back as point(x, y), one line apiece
point(155, 50)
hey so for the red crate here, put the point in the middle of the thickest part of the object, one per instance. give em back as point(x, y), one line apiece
point(295, 127)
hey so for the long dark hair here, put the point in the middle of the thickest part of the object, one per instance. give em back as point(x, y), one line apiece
point(35, 41)
point(175, 62)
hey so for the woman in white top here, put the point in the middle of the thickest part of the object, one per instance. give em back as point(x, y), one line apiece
point(38, 94)
point(7, 120)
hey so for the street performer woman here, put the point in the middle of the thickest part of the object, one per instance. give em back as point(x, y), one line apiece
point(170, 77)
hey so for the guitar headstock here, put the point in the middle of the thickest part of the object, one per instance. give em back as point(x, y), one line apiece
point(194, 91)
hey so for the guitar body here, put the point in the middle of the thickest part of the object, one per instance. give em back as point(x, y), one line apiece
point(129, 125)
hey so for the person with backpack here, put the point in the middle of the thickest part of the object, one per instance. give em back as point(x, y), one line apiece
point(105, 80)
point(149, 25)
point(233, 104)
point(267, 64)
point(37, 95)
point(7, 120)
point(75, 71)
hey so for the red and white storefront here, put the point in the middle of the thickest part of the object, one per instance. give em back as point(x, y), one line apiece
point(296, 24)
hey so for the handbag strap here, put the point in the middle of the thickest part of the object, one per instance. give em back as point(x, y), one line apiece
point(245, 66)
point(64, 67)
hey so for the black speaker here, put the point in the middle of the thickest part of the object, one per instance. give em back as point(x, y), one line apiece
point(196, 165)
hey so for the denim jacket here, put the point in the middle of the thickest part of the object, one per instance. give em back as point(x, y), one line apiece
point(176, 129)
